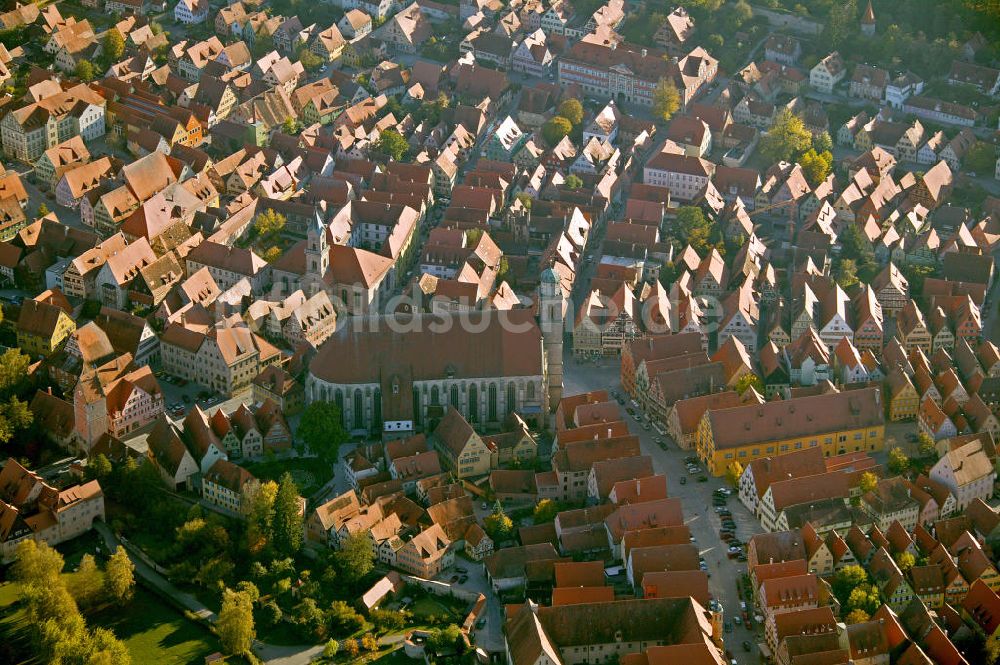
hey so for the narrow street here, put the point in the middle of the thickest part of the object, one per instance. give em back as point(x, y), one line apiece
point(696, 497)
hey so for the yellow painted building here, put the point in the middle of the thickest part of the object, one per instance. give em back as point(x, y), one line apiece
point(836, 423)
point(904, 401)
point(42, 328)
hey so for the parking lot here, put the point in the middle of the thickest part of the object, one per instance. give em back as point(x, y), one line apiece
point(179, 396)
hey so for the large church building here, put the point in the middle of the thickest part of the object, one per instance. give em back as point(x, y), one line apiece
point(395, 374)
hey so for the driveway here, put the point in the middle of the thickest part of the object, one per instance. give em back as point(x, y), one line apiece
point(490, 636)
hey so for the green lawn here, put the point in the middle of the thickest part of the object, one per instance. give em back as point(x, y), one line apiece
point(13, 640)
point(155, 632)
point(394, 657)
point(309, 474)
point(432, 606)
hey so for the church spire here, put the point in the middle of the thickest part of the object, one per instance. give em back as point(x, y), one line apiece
point(868, 20)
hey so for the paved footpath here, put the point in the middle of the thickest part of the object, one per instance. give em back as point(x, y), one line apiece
point(269, 653)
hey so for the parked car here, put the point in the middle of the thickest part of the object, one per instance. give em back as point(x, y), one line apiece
point(684, 480)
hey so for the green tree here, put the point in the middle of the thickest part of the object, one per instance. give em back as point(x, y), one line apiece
point(925, 446)
point(310, 619)
point(816, 165)
point(556, 129)
point(865, 597)
point(391, 143)
point(291, 126)
point(310, 61)
point(666, 100)
point(846, 579)
point(692, 228)
point(98, 468)
point(847, 273)
point(85, 71)
point(856, 616)
point(498, 525)
point(742, 12)
point(748, 381)
point(905, 560)
point(260, 516)
point(786, 138)
point(14, 416)
point(545, 511)
point(331, 649)
point(271, 254)
point(981, 158)
point(573, 181)
point(119, 576)
point(841, 24)
point(502, 269)
point(388, 620)
point(344, 619)
point(43, 210)
point(356, 557)
point(235, 623)
point(733, 473)
point(868, 482)
point(263, 44)
point(855, 246)
point(898, 461)
point(269, 224)
point(445, 640)
point(572, 110)
point(13, 371)
point(287, 525)
point(86, 583)
point(113, 46)
point(992, 648)
point(36, 563)
point(822, 142)
point(321, 428)
point(106, 649)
